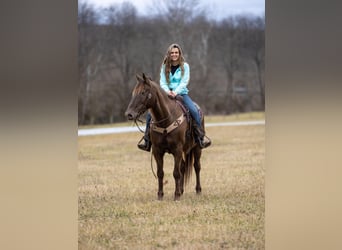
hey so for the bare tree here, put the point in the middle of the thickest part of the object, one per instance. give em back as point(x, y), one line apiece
point(177, 14)
point(121, 49)
point(226, 57)
point(198, 47)
point(252, 45)
point(90, 56)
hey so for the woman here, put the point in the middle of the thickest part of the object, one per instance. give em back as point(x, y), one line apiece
point(174, 78)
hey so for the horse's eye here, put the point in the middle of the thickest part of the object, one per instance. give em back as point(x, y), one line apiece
point(143, 92)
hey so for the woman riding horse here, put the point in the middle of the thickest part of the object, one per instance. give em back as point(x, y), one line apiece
point(174, 78)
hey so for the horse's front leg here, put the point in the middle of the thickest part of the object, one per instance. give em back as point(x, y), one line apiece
point(160, 174)
point(177, 175)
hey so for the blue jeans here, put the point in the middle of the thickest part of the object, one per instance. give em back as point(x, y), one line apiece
point(148, 119)
point(192, 108)
point(189, 104)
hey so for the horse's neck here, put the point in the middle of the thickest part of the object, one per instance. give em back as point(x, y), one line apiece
point(163, 110)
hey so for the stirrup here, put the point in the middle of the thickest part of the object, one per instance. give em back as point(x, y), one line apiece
point(146, 146)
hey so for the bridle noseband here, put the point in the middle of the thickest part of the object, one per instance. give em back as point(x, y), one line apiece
point(178, 121)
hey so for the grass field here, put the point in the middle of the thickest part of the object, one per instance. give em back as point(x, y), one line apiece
point(118, 207)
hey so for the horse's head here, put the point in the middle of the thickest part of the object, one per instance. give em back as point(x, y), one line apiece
point(141, 98)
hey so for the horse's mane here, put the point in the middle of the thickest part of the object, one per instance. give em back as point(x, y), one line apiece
point(163, 98)
point(160, 90)
point(155, 86)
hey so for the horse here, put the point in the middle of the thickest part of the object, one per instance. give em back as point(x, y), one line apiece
point(170, 132)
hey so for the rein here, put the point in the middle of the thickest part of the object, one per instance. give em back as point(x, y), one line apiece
point(151, 122)
point(175, 124)
point(135, 121)
point(162, 120)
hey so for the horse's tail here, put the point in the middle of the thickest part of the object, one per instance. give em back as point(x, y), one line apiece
point(189, 162)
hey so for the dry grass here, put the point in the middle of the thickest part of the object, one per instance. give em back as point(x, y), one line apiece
point(118, 207)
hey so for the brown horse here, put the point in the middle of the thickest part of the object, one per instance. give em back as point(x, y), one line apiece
point(169, 131)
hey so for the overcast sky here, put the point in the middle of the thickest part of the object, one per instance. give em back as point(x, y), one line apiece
point(219, 8)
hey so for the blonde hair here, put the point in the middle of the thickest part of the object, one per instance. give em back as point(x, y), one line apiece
point(167, 61)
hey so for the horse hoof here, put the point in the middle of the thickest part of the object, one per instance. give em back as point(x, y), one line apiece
point(160, 196)
point(177, 198)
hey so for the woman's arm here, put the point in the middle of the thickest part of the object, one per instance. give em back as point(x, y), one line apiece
point(185, 79)
point(163, 82)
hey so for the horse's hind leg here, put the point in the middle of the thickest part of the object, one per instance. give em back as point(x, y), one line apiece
point(182, 169)
point(197, 166)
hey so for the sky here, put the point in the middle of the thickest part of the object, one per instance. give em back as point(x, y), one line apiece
point(219, 8)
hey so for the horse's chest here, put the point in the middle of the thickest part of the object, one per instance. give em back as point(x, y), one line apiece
point(168, 142)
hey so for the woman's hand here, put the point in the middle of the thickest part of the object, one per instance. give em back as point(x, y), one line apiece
point(171, 93)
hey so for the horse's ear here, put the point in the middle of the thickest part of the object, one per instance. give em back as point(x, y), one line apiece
point(146, 79)
point(139, 78)
point(144, 76)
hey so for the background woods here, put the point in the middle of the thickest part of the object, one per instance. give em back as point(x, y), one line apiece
point(226, 57)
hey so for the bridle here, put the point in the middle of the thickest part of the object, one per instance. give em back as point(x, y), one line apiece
point(151, 122)
point(162, 120)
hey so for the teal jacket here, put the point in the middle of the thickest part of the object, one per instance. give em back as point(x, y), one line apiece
point(178, 84)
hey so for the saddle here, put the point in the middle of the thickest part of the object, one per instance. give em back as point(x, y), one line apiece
point(179, 100)
point(189, 119)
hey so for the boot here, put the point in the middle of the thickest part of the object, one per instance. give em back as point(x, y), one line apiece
point(199, 133)
point(146, 144)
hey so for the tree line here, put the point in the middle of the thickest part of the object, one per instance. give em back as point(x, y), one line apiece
point(226, 57)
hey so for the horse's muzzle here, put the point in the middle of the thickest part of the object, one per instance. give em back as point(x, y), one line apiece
point(130, 116)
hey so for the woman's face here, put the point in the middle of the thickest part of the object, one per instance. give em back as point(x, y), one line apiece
point(174, 54)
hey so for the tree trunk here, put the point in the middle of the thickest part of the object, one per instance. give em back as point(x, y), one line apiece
point(261, 87)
